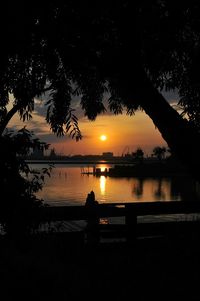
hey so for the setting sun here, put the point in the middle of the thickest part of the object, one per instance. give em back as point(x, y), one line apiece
point(103, 137)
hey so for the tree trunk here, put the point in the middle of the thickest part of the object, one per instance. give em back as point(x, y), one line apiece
point(180, 136)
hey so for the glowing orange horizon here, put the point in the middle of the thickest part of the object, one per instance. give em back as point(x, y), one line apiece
point(109, 133)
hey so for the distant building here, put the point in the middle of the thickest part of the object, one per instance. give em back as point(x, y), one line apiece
point(107, 155)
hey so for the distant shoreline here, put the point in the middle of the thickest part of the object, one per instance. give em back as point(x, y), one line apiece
point(75, 162)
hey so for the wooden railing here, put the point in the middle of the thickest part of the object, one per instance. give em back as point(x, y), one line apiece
point(131, 212)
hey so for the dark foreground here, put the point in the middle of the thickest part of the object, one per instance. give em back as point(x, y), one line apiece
point(62, 267)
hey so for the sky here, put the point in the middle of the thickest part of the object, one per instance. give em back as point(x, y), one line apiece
point(124, 134)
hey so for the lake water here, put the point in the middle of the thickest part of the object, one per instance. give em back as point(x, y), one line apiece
point(68, 186)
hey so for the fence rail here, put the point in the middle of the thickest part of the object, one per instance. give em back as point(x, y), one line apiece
point(130, 210)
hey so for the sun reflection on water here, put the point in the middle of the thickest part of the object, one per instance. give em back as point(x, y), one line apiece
point(103, 184)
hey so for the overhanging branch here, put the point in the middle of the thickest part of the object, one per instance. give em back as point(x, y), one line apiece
point(8, 117)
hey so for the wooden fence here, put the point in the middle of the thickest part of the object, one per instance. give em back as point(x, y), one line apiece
point(131, 212)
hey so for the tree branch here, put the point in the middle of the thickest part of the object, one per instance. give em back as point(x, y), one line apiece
point(8, 117)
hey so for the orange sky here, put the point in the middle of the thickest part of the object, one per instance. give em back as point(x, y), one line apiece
point(124, 133)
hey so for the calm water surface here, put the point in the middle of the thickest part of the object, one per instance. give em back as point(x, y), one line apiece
point(68, 186)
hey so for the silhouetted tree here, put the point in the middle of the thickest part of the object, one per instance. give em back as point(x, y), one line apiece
point(138, 155)
point(131, 50)
point(159, 152)
point(19, 183)
point(52, 153)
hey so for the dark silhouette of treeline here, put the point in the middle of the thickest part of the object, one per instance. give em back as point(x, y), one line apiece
point(76, 158)
point(150, 168)
point(125, 166)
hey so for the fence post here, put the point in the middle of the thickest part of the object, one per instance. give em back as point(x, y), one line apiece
point(131, 223)
point(92, 228)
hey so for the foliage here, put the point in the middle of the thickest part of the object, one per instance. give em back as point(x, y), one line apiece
point(89, 48)
point(133, 51)
point(19, 183)
point(138, 155)
point(159, 152)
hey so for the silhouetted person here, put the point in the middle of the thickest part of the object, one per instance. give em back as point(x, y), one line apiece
point(92, 228)
point(90, 200)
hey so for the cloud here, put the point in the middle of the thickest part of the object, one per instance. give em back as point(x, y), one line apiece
point(122, 129)
point(38, 130)
point(171, 96)
point(52, 138)
point(40, 108)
